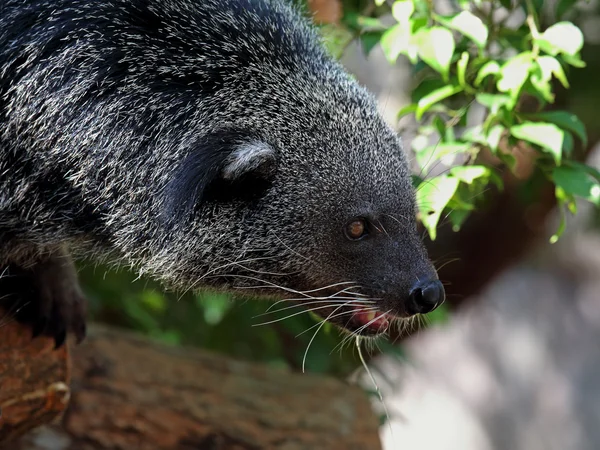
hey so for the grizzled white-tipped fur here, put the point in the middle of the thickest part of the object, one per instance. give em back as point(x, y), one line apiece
point(126, 124)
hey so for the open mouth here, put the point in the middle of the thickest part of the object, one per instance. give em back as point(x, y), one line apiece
point(358, 318)
point(366, 320)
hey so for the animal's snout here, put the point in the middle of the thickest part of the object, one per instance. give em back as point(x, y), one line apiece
point(425, 296)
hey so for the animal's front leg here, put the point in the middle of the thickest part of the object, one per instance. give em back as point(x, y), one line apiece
point(44, 292)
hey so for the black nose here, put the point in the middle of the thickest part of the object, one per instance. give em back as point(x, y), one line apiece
point(425, 296)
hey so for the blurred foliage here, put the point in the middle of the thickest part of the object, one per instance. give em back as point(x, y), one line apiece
point(491, 55)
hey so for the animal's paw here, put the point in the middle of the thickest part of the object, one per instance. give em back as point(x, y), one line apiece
point(47, 297)
point(60, 309)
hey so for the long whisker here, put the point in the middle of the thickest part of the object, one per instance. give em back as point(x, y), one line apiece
point(364, 363)
point(332, 302)
point(295, 314)
point(334, 295)
point(305, 292)
point(288, 247)
point(446, 263)
point(400, 223)
point(224, 266)
point(315, 334)
point(271, 285)
point(263, 272)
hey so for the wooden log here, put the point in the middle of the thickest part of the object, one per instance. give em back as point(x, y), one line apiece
point(126, 392)
point(34, 379)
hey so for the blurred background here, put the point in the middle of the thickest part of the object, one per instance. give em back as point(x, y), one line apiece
point(511, 360)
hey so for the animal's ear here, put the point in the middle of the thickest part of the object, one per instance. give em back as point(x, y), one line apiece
point(252, 157)
point(222, 167)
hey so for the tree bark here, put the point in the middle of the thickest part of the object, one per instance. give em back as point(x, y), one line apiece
point(126, 392)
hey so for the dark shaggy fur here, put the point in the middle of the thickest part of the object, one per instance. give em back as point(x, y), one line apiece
point(206, 143)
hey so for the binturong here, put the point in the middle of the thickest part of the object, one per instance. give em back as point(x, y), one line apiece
point(209, 144)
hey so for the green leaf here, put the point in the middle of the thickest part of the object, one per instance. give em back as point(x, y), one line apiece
point(416, 23)
point(457, 202)
point(494, 101)
point(575, 61)
point(563, 198)
point(585, 168)
point(577, 182)
point(474, 134)
point(402, 10)
point(436, 46)
point(415, 180)
point(407, 110)
point(401, 39)
point(468, 174)
point(493, 137)
point(565, 120)
point(463, 115)
point(431, 154)
point(461, 67)
point(562, 37)
point(432, 197)
point(550, 66)
point(540, 81)
point(364, 23)
point(490, 138)
point(563, 220)
point(427, 86)
point(546, 135)
point(514, 73)
point(567, 148)
point(458, 217)
point(470, 25)
point(394, 42)
point(446, 132)
point(489, 68)
point(440, 126)
point(434, 97)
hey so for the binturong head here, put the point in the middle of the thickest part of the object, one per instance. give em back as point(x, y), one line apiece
point(314, 205)
point(301, 191)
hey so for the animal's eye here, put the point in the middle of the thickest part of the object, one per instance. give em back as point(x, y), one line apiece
point(356, 229)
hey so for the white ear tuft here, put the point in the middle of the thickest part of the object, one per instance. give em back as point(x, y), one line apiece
point(254, 156)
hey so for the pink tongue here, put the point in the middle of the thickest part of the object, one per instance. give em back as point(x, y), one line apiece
point(364, 316)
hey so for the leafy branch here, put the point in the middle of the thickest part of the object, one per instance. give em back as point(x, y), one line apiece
point(472, 59)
